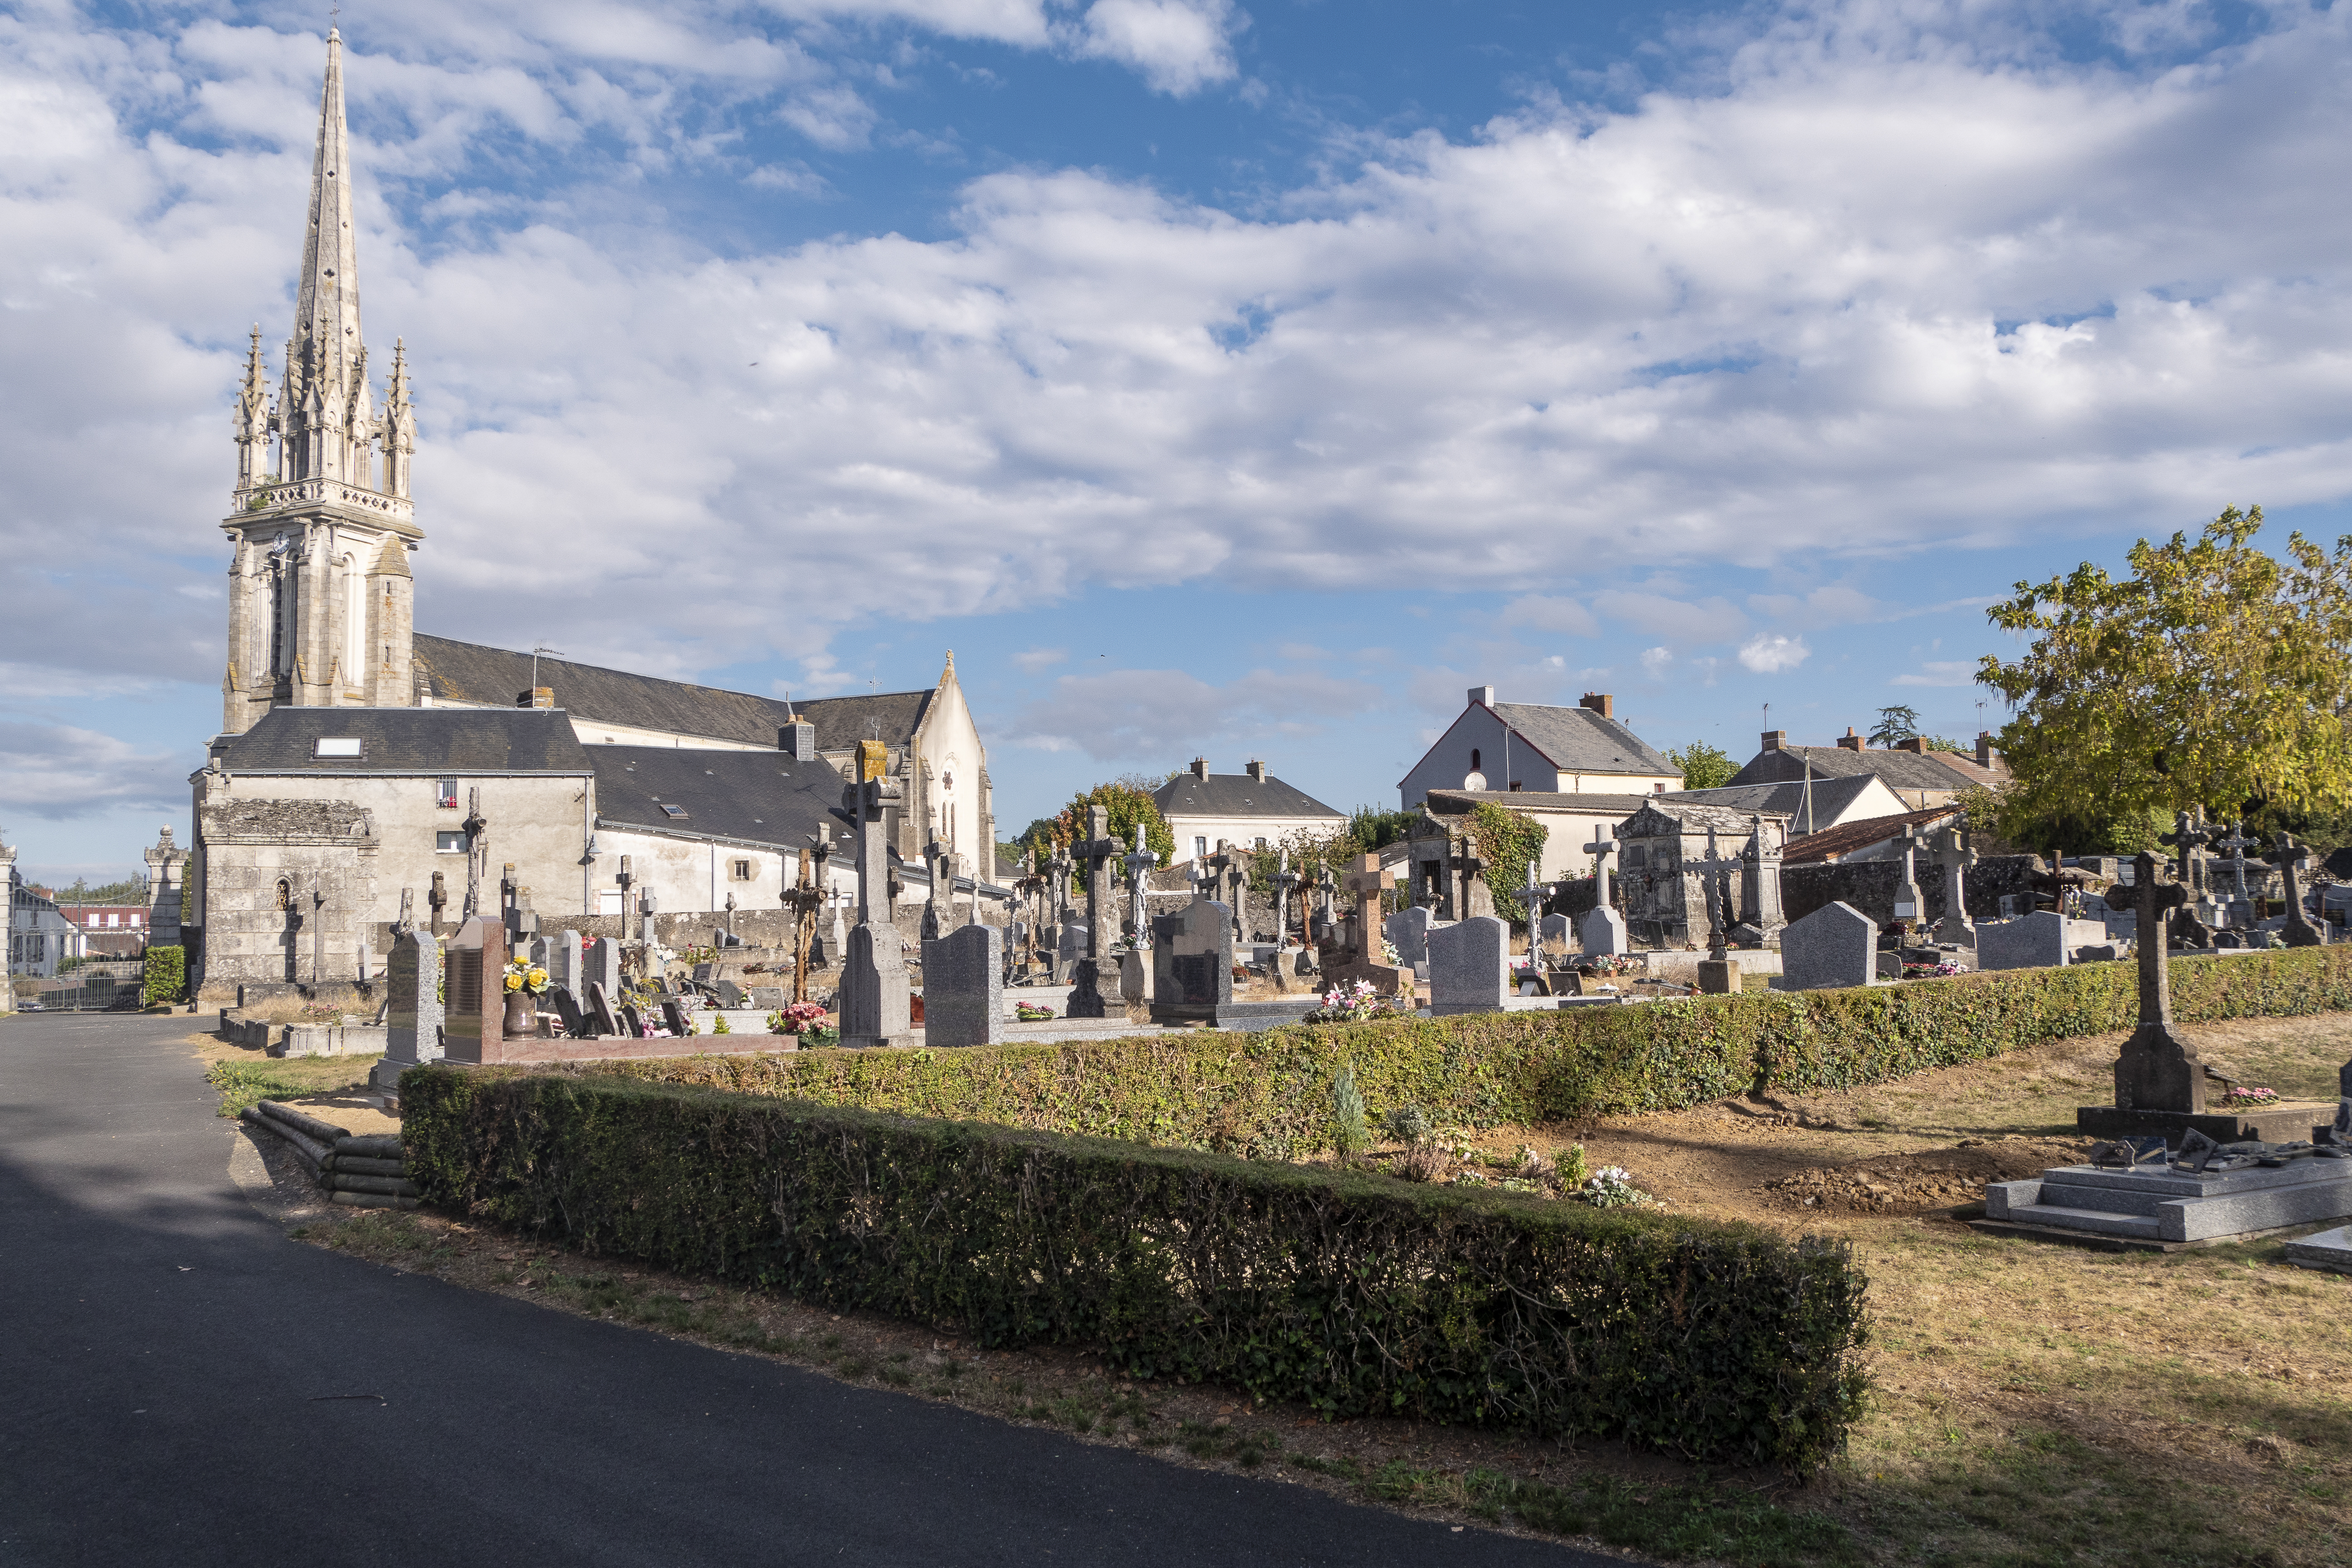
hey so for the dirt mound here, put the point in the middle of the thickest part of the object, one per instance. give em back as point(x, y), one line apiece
point(1934, 1179)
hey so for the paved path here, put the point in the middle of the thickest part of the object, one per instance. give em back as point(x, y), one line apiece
point(177, 1382)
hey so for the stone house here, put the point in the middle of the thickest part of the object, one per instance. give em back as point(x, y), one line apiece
point(1570, 821)
point(1812, 806)
point(1918, 777)
point(1525, 746)
point(1664, 844)
point(40, 935)
point(1249, 810)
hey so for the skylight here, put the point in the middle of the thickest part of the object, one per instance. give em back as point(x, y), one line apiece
point(335, 746)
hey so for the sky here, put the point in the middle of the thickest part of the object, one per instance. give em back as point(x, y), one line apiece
point(1243, 381)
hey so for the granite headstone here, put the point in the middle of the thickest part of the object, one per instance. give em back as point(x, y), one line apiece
point(1837, 944)
point(1469, 966)
point(963, 987)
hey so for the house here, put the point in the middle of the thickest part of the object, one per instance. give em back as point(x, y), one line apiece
point(1250, 810)
point(1661, 873)
point(40, 937)
point(1873, 838)
point(1570, 823)
point(1514, 746)
point(1810, 805)
point(1919, 777)
point(701, 826)
point(109, 931)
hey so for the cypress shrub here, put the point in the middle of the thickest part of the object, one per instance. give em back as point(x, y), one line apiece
point(1354, 1294)
point(166, 977)
point(1269, 1095)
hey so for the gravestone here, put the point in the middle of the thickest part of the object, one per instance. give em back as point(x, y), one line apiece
point(1599, 931)
point(875, 1006)
point(601, 965)
point(633, 1022)
point(730, 995)
point(675, 1020)
point(567, 1007)
point(1094, 975)
point(1837, 944)
point(1955, 855)
point(1192, 962)
point(767, 998)
point(414, 1012)
point(1408, 931)
point(1469, 966)
point(1554, 931)
point(1135, 972)
point(600, 1011)
point(563, 959)
point(2038, 941)
point(963, 987)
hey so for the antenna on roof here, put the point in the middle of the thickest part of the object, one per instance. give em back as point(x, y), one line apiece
point(538, 648)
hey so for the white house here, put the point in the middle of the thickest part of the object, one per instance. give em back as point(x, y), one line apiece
point(1524, 746)
point(1250, 810)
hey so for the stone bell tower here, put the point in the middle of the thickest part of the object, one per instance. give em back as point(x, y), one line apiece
point(320, 604)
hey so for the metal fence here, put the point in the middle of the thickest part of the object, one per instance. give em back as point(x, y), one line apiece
point(97, 985)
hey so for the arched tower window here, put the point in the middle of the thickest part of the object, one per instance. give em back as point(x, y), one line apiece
point(1473, 758)
point(285, 896)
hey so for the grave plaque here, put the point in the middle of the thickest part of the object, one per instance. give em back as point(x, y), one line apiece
point(1192, 962)
point(2038, 941)
point(675, 1020)
point(963, 987)
point(1837, 944)
point(1469, 966)
point(600, 1011)
point(413, 1010)
point(875, 1009)
point(575, 1023)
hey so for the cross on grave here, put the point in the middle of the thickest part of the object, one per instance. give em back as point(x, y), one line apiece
point(476, 828)
point(1909, 909)
point(1204, 881)
point(1715, 878)
point(2288, 856)
point(939, 912)
point(1760, 904)
point(731, 911)
point(405, 921)
point(2237, 844)
point(2189, 834)
point(1603, 844)
point(1222, 868)
point(1953, 853)
point(805, 899)
point(1284, 879)
point(1326, 887)
point(1533, 896)
point(1366, 881)
point(1462, 871)
point(1140, 862)
point(2157, 1069)
point(438, 897)
point(1097, 978)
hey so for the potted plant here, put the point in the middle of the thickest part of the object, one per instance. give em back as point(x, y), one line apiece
point(525, 982)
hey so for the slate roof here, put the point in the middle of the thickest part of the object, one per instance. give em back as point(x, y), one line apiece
point(1834, 843)
point(1831, 796)
point(1580, 741)
point(447, 741)
point(1236, 794)
point(1900, 770)
point(1694, 817)
point(494, 677)
point(754, 797)
point(1458, 802)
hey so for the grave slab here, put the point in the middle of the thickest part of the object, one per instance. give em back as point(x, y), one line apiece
point(1469, 967)
point(963, 987)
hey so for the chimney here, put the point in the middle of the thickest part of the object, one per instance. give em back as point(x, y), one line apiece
point(1775, 738)
point(1916, 744)
point(797, 739)
point(1850, 740)
point(537, 697)
point(1200, 767)
point(1257, 770)
point(1600, 703)
point(1984, 748)
point(1482, 695)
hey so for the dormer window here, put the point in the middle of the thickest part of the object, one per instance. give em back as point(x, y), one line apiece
point(343, 747)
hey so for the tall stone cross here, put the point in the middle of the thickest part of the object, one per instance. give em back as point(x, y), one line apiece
point(1325, 885)
point(1285, 880)
point(1909, 907)
point(731, 911)
point(1463, 869)
point(1955, 856)
point(1366, 881)
point(2237, 844)
point(1760, 882)
point(438, 897)
point(1222, 866)
point(1715, 878)
point(476, 828)
point(1140, 862)
point(2189, 835)
point(2289, 856)
point(1097, 981)
point(804, 899)
point(873, 801)
point(1204, 881)
point(1603, 844)
point(938, 910)
point(2158, 1071)
point(1057, 871)
point(405, 921)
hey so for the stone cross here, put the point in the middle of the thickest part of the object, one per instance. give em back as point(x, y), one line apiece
point(1714, 877)
point(1284, 879)
point(1139, 863)
point(2188, 836)
point(405, 921)
point(1760, 882)
point(1603, 844)
point(1098, 977)
point(1533, 896)
point(872, 802)
point(938, 911)
point(476, 828)
point(731, 911)
point(1221, 867)
point(1366, 881)
point(2288, 856)
point(438, 897)
point(1955, 856)
point(1058, 869)
point(1462, 869)
point(1325, 885)
point(2237, 844)
point(1202, 880)
point(1909, 907)
point(2157, 1070)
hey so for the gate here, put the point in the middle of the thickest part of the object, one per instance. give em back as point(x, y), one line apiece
point(97, 985)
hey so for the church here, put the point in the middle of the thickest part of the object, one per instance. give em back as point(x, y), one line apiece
point(361, 763)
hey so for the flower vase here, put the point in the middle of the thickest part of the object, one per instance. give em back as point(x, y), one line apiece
point(523, 1014)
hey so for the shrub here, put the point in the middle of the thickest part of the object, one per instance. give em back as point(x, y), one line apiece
point(1350, 1293)
point(1408, 1124)
point(167, 977)
point(1269, 1094)
point(1349, 1134)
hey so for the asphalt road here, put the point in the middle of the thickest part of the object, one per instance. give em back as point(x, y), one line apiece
point(182, 1385)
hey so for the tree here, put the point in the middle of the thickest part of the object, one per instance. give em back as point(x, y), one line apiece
point(1508, 841)
point(1702, 766)
point(2215, 677)
point(1129, 804)
point(1896, 725)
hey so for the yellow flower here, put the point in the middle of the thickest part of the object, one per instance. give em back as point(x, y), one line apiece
point(538, 978)
point(514, 982)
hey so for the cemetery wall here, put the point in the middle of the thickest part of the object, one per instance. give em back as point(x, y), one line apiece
point(1442, 1305)
point(1869, 886)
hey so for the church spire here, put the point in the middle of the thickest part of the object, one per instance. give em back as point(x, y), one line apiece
point(326, 397)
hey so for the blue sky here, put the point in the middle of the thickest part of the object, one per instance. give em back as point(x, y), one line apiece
point(1238, 379)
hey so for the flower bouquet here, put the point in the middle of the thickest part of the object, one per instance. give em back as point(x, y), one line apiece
point(1612, 1186)
point(2243, 1096)
point(1032, 1011)
point(525, 983)
point(797, 1018)
point(1355, 1004)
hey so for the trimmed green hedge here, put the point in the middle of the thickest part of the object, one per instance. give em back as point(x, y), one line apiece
point(166, 977)
point(1356, 1295)
point(1270, 1095)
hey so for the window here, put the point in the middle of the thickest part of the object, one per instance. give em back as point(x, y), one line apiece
point(669, 810)
point(1200, 848)
point(335, 746)
point(445, 794)
point(449, 844)
point(1474, 757)
point(114, 920)
point(608, 900)
point(742, 870)
point(1261, 843)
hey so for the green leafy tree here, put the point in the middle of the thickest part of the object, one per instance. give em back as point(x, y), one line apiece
point(1895, 725)
point(1129, 804)
point(1702, 766)
point(1507, 841)
point(2214, 676)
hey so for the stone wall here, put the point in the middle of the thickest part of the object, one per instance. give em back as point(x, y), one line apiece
point(1869, 886)
point(261, 862)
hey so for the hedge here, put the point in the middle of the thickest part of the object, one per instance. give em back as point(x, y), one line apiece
point(166, 977)
point(1269, 1095)
point(1353, 1294)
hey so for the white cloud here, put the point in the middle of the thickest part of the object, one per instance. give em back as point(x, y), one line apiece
point(1159, 718)
point(1656, 661)
point(1180, 45)
point(1769, 653)
point(58, 771)
point(1545, 614)
point(1940, 672)
point(1036, 658)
